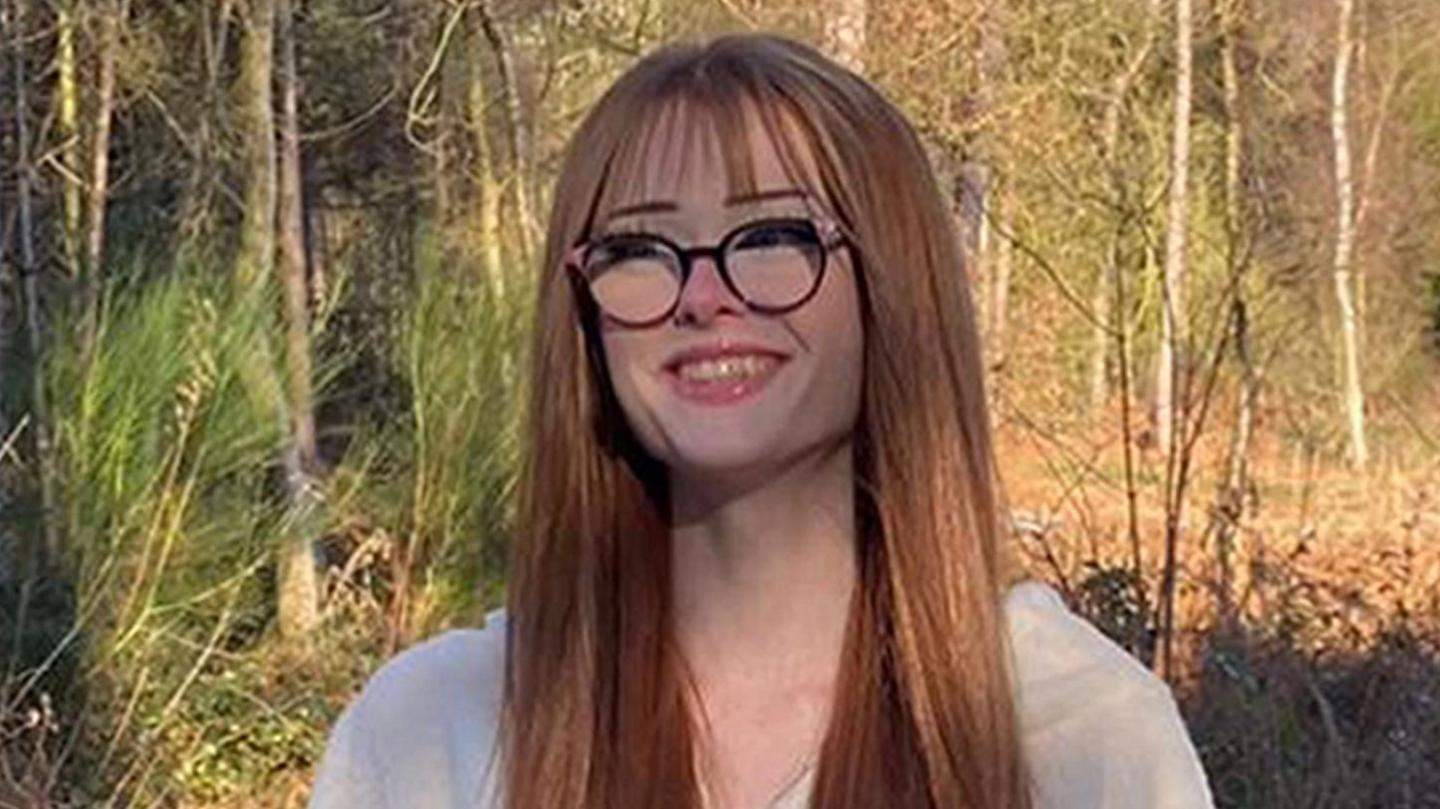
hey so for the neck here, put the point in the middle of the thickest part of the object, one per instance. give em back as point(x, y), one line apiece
point(763, 571)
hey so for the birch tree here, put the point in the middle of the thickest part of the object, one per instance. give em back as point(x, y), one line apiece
point(1345, 233)
point(997, 255)
point(1230, 507)
point(299, 591)
point(487, 193)
point(1168, 391)
point(67, 105)
point(111, 15)
point(256, 261)
point(516, 129)
point(297, 602)
point(1171, 393)
point(1106, 321)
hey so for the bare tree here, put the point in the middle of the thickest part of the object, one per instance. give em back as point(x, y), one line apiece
point(1345, 232)
point(297, 601)
point(1231, 499)
point(1102, 328)
point(202, 180)
point(67, 103)
point(111, 14)
point(516, 130)
point(487, 184)
point(1000, 272)
point(256, 260)
point(997, 255)
point(14, 24)
point(1168, 388)
point(1171, 397)
point(299, 590)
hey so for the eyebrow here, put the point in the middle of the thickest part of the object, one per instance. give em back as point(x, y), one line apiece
point(668, 206)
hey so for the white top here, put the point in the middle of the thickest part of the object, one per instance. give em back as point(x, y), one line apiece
point(1099, 731)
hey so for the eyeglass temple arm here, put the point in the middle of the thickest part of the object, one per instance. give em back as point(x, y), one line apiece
point(574, 259)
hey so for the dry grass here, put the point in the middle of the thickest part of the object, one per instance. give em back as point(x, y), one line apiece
point(1325, 692)
point(1325, 689)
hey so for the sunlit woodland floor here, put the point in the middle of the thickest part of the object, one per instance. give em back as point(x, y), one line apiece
point(1323, 691)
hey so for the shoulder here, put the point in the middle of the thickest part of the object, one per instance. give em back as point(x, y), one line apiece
point(422, 731)
point(1099, 729)
point(1058, 654)
point(461, 668)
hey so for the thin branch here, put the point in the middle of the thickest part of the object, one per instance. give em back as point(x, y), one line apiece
point(422, 96)
point(1081, 306)
point(346, 127)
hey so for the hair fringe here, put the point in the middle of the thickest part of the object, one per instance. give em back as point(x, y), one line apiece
point(599, 711)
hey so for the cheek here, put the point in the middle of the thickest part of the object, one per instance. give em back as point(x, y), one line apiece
point(619, 357)
point(834, 330)
point(625, 364)
point(850, 365)
point(840, 325)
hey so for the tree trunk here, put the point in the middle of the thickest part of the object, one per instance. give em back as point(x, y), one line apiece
point(1230, 508)
point(1002, 267)
point(997, 206)
point(99, 180)
point(1171, 398)
point(67, 92)
point(517, 133)
point(196, 215)
point(1169, 393)
point(487, 185)
point(298, 587)
point(317, 235)
point(1102, 329)
point(297, 604)
point(50, 550)
point(1345, 234)
point(256, 261)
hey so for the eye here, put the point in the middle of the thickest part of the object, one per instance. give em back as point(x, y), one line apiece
point(622, 249)
point(796, 233)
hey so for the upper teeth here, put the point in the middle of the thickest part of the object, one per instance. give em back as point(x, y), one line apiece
point(725, 367)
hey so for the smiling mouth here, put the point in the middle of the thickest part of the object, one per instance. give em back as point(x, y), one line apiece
point(726, 369)
point(723, 380)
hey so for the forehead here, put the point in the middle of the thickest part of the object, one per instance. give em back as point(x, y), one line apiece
point(684, 149)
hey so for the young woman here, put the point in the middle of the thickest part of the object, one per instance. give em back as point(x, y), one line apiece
point(760, 557)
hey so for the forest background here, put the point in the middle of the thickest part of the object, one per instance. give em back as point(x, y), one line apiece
point(265, 279)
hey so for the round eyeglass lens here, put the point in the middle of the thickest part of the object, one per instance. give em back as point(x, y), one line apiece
point(633, 279)
point(774, 264)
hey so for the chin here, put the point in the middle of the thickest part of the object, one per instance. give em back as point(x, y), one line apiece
point(745, 459)
point(718, 454)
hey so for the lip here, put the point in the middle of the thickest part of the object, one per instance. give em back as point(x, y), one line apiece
point(720, 393)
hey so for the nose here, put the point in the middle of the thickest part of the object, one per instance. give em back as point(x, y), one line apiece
point(705, 295)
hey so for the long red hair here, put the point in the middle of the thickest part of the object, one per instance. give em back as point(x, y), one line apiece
point(598, 710)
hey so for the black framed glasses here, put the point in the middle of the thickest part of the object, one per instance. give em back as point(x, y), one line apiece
point(773, 265)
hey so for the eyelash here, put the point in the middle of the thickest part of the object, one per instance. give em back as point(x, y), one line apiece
point(642, 232)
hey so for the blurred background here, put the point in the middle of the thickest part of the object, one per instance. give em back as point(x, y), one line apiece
point(265, 276)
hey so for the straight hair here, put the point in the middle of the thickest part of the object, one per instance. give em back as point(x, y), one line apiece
point(599, 710)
